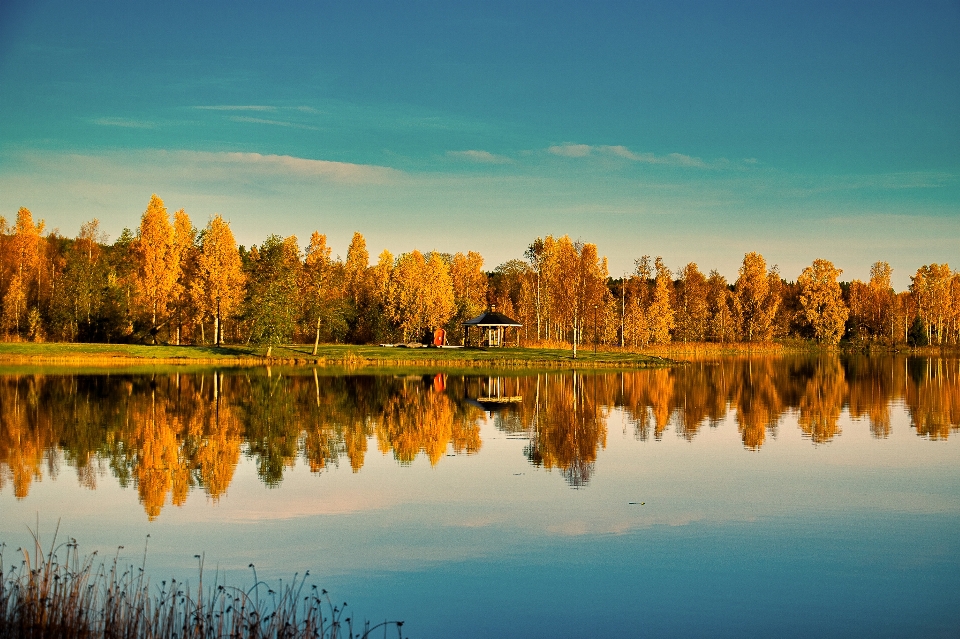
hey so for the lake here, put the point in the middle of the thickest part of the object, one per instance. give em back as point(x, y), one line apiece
point(745, 496)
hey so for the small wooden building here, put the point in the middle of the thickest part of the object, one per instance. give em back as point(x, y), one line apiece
point(492, 327)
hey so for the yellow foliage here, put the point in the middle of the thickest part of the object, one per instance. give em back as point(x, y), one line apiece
point(469, 284)
point(221, 273)
point(822, 301)
point(157, 256)
point(421, 294)
point(755, 300)
point(355, 268)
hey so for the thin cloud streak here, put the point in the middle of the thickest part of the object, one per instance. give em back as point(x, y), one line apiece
point(571, 150)
point(295, 125)
point(213, 167)
point(481, 157)
point(241, 107)
point(125, 123)
point(620, 151)
point(290, 165)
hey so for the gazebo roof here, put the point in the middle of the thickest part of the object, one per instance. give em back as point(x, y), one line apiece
point(491, 318)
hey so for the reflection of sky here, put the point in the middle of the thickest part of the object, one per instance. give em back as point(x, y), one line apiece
point(839, 538)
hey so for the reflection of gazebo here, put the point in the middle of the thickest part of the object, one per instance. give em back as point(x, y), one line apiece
point(496, 394)
point(493, 325)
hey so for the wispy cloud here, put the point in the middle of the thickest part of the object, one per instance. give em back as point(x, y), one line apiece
point(620, 151)
point(802, 186)
point(482, 157)
point(294, 166)
point(125, 123)
point(293, 125)
point(571, 150)
point(905, 180)
point(209, 167)
point(236, 107)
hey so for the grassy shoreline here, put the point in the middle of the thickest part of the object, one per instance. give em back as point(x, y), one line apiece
point(382, 359)
point(328, 356)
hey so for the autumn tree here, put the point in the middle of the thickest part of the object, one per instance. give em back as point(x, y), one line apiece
point(555, 296)
point(661, 309)
point(720, 309)
point(512, 288)
point(360, 306)
point(637, 300)
point(822, 301)
point(184, 237)
point(880, 298)
point(221, 274)
point(954, 309)
point(469, 287)
point(570, 276)
point(422, 293)
point(931, 288)
point(157, 256)
point(317, 282)
point(871, 303)
point(381, 294)
point(859, 304)
point(902, 313)
point(355, 268)
point(597, 299)
point(439, 305)
point(691, 305)
point(535, 255)
point(575, 282)
point(26, 245)
point(755, 301)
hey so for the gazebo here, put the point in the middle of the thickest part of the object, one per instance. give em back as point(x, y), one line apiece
point(493, 326)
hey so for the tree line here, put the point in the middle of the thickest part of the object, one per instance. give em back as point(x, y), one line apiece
point(170, 282)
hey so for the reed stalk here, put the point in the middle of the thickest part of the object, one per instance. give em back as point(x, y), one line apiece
point(61, 593)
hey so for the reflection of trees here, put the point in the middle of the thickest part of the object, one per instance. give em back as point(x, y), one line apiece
point(874, 382)
point(25, 435)
point(823, 397)
point(419, 418)
point(649, 401)
point(933, 396)
point(569, 422)
point(758, 398)
point(173, 433)
point(154, 449)
point(169, 434)
point(698, 399)
point(272, 423)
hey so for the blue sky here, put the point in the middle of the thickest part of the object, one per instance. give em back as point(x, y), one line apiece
point(696, 131)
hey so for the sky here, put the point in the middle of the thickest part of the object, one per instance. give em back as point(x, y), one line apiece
point(697, 131)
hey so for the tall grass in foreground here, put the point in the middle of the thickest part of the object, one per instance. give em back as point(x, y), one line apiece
point(64, 594)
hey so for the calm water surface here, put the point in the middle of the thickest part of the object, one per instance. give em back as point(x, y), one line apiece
point(788, 497)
